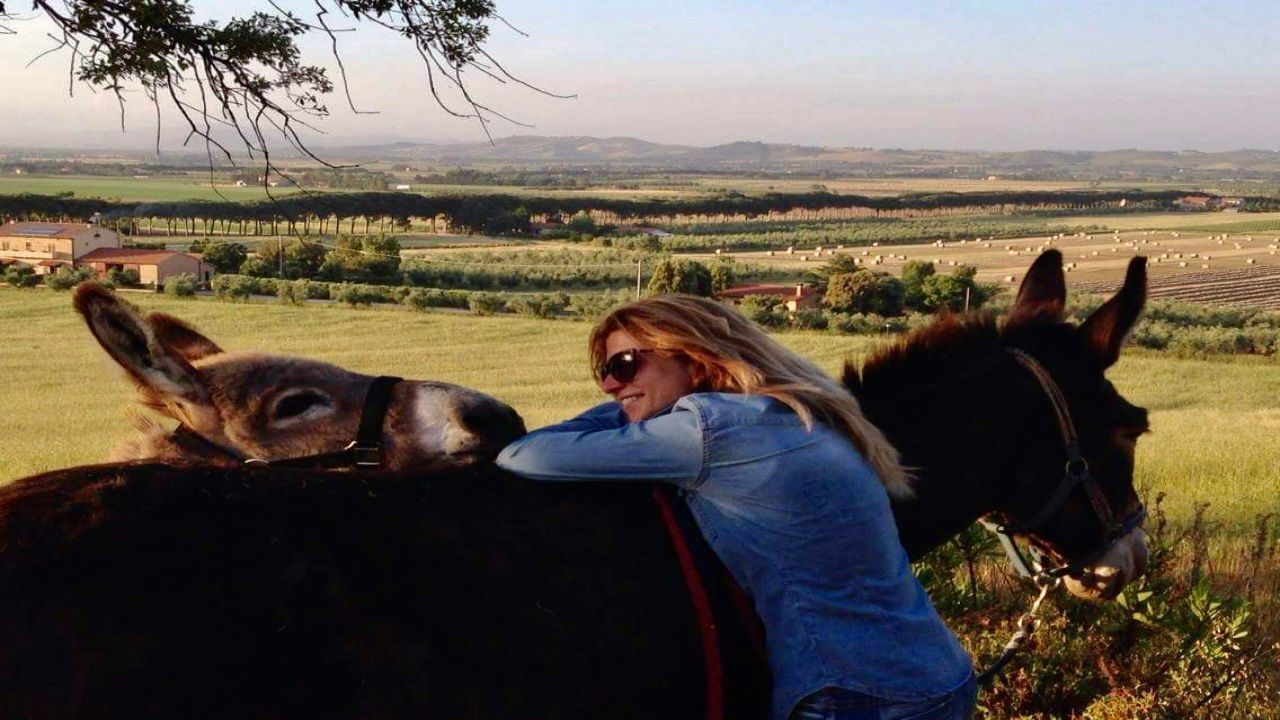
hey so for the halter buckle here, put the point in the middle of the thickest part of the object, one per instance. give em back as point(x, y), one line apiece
point(365, 455)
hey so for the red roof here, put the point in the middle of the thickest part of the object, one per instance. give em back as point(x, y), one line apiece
point(132, 256)
point(42, 229)
point(53, 263)
point(745, 290)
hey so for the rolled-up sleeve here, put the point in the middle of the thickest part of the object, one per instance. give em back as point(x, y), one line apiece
point(600, 445)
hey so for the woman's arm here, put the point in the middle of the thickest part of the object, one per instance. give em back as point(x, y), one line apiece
point(600, 445)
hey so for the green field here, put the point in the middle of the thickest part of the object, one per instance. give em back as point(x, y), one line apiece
point(1216, 423)
point(134, 189)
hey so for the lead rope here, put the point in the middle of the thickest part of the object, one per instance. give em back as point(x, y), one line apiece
point(1027, 625)
point(1046, 581)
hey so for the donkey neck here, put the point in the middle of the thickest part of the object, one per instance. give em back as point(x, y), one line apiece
point(949, 406)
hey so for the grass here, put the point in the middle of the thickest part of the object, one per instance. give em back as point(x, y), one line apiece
point(130, 189)
point(1216, 423)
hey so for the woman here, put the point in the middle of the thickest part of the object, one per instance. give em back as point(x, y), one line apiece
point(787, 481)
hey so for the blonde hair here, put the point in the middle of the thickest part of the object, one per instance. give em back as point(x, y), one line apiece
point(726, 352)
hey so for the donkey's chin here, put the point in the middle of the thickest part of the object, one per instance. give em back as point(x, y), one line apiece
point(1122, 563)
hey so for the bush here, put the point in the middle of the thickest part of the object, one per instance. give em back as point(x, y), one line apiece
point(21, 276)
point(766, 310)
point(358, 295)
point(125, 277)
point(233, 288)
point(590, 306)
point(183, 285)
point(423, 298)
point(680, 276)
point(66, 278)
point(483, 303)
point(292, 293)
point(955, 291)
point(864, 292)
point(809, 319)
point(225, 257)
point(542, 306)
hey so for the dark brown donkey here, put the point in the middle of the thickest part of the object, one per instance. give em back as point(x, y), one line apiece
point(145, 590)
point(963, 402)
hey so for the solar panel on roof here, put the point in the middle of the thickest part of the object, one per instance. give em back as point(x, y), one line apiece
point(37, 230)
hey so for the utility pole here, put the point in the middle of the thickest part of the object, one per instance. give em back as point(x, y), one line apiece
point(281, 239)
point(639, 263)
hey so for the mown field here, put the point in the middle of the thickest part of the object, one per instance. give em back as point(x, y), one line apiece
point(1216, 423)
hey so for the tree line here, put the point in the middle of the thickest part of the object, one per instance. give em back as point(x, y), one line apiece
point(304, 213)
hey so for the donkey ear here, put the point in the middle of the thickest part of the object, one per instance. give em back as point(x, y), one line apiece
point(120, 330)
point(181, 338)
point(1106, 329)
point(1043, 293)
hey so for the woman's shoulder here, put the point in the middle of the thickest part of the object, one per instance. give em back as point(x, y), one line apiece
point(716, 408)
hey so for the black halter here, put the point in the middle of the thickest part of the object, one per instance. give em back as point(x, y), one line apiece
point(1076, 475)
point(365, 452)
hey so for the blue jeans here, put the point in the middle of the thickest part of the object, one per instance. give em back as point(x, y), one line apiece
point(840, 704)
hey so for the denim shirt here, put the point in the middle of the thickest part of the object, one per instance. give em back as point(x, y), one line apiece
point(801, 521)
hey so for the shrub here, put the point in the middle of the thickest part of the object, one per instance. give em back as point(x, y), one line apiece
point(183, 285)
point(21, 276)
point(292, 293)
point(423, 298)
point(66, 278)
point(543, 306)
point(225, 257)
point(233, 288)
point(123, 277)
point(809, 319)
point(358, 295)
point(864, 292)
point(765, 310)
point(483, 303)
point(590, 306)
point(680, 276)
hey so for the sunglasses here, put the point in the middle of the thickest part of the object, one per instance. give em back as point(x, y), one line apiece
point(622, 365)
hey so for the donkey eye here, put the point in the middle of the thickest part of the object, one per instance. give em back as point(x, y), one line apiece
point(291, 406)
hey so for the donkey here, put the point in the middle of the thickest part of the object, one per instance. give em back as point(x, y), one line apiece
point(238, 406)
point(963, 403)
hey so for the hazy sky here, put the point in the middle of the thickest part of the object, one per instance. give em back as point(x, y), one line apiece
point(962, 75)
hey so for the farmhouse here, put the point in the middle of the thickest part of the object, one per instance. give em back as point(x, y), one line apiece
point(794, 297)
point(47, 246)
point(152, 266)
point(1205, 203)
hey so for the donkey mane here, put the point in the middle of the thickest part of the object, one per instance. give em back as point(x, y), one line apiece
point(928, 353)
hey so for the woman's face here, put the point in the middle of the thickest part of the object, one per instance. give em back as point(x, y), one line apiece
point(659, 380)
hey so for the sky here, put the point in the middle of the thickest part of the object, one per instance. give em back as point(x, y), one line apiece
point(991, 75)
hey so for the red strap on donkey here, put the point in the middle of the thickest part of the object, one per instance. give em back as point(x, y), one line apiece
point(710, 635)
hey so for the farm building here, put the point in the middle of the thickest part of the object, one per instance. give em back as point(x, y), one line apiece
point(152, 266)
point(47, 246)
point(794, 297)
point(1204, 203)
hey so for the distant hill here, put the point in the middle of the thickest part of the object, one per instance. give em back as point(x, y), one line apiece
point(633, 155)
point(536, 150)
